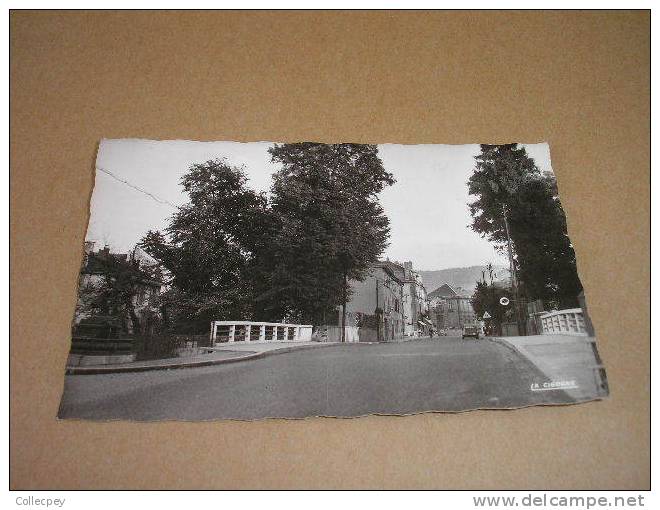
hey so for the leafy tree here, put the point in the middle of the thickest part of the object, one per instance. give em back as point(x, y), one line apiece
point(331, 225)
point(212, 246)
point(486, 298)
point(507, 181)
point(121, 279)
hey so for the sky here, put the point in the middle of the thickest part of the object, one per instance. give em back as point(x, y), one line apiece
point(427, 206)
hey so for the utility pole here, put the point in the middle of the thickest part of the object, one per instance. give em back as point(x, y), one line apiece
point(377, 314)
point(512, 273)
point(343, 312)
point(512, 268)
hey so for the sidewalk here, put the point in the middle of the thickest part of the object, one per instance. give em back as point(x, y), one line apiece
point(227, 353)
point(402, 339)
point(565, 360)
point(268, 346)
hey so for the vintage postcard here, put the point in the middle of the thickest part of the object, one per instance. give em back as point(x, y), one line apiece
point(225, 280)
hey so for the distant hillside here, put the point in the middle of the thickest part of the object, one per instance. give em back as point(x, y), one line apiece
point(465, 277)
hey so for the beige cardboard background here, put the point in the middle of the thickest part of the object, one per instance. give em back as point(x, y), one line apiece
point(579, 80)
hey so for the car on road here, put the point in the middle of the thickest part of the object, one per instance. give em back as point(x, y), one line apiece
point(471, 330)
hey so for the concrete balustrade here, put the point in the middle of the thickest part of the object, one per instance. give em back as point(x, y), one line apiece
point(566, 322)
point(246, 331)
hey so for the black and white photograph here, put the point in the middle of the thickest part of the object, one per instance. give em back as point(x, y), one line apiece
point(227, 280)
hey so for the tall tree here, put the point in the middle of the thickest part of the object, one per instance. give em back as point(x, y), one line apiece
point(331, 225)
point(506, 181)
point(212, 245)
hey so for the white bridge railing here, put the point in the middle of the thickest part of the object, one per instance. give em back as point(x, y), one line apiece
point(569, 321)
point(245, 331)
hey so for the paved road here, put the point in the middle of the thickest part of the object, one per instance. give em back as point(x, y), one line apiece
point(441, 374)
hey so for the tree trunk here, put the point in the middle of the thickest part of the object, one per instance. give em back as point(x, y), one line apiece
point(164, 314)
point(343, 312)
point(135, 320)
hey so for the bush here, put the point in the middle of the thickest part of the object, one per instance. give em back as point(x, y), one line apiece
point(166, 345)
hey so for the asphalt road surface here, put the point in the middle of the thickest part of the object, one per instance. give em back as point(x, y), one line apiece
point(440, 374)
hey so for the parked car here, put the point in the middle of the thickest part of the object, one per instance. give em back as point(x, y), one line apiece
point(442, 332)
point(471, 330)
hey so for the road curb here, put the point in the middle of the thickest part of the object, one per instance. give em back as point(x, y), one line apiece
point(519, 352)
point(502, 341)
point(109, 369)
point(512, 347)
point(549, 373)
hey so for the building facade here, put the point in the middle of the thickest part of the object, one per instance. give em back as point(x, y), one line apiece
point(451, 308)
point(135, 269)
point(389, 303)
point(415, 303)
point(375, 305)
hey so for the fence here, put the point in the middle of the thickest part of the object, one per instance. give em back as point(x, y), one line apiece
point(245, 331)
point(564, 322)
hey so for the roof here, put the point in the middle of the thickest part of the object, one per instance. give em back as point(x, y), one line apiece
point(391, 269)
point(395, 268)
point(102, 262)
point(445, 290)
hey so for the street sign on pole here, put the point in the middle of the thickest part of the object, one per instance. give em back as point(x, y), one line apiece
point(504, 301)
point(486, 315)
